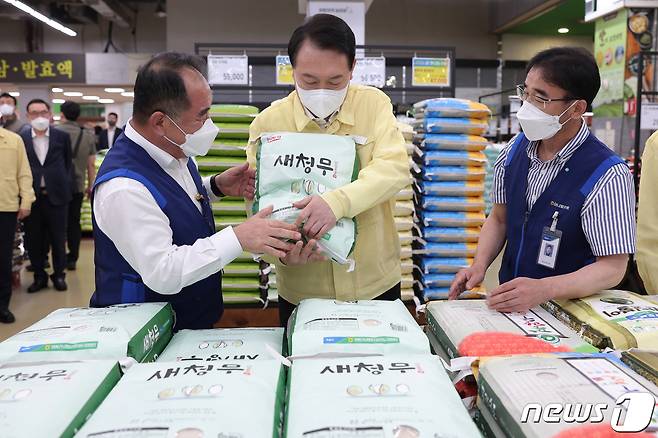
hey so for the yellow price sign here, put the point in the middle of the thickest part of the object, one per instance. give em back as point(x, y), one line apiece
point(430, 72)
point(284, 71)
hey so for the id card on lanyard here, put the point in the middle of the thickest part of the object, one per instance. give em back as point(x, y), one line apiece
point(550, 244)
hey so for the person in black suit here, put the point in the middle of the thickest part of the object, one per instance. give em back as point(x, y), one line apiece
point(50, 156)
point(109, 136)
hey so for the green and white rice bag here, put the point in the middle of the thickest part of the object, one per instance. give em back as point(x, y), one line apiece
point(137, 330)
point(228, 147)
point(375, 397)
point(233, 113)
point(320, 326)
point(52, 399)
point(221, 345)
point(292, 166)
point(179, 399)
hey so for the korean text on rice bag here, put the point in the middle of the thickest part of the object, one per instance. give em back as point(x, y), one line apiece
point(458, 142)
point(292, 166)
point(455, 126)
point(383, 397)
point(451, 107)
point(611, 319)
point(327, 326)
point(183, 399)
point(223, 345)
point(140, 331)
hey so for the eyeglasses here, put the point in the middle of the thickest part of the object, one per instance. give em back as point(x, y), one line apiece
point(533, 98)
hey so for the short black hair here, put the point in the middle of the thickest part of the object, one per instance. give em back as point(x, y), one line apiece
point(113, 114)
point(571, 68)
point(9, 96)
point(33, 101)
point(326, 31)
point(71, 110)
point(160, 87)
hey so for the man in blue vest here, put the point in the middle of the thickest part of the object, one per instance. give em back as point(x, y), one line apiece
point(564, 203)
point(154, 231)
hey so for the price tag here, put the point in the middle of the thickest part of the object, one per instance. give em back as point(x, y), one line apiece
point(228, 70)
point(649, 117)
point(431, 72)
point(284, 71)
point(370, 71)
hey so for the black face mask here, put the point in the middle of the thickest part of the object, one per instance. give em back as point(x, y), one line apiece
point(112, 124)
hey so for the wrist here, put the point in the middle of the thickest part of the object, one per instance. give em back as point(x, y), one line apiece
point(214, 186)
point(549, 287)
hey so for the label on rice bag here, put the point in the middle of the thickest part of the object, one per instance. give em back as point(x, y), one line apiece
point(451, 107)
point(452, 219)
point(459, 142)
point(114, 332)
point(375, 397)
point(612, 319)
point(452, 158)
point(327, 326)
point(449, 249)
point(453, 125)
point(573, 381)
point(452, 203)
point(183, 399)
point(451, 234)
point(451, 173)
point(43, 400)
point(223, 345)
point(450, 188)
point(443, 265)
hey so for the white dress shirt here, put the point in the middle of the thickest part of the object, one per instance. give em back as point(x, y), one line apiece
point(110, 136)
point(127, 213)
point(41, 144)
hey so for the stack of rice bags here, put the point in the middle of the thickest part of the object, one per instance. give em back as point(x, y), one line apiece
point(85, 216)
point(241, 281)
point(404, 219)
point(449, 167)
point(492, 152)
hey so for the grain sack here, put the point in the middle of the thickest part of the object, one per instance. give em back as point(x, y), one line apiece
point(451, 107)
point(223, 345)
point(243, 298)
point(451, 234)
point(404, 208)
point(458, 142)
point(329, 326)
point(239, 131)
point(506, 385)
point(240, 284)
point(375, 397)
point(437, 280)
point(228, 208)
point(452, 203)
point(406, 238)
point(407, 294)
point(455, 125)
point(442, 293)
point(611, 319)
point(224, 221)
point(140, 331)
point(406, 194)
point(450, 188)
point(230, 148)
point(182, 399)
point(643, 362)
point(44, 400)
point(292, 166)
point(443, 265)
point(404, 223)
point(407, 282)
point(406, 251)
point(233, 113)
point(451, 158)
point(237, 269)
point(452, 219)
point(218, 164)
point(406, 267)
point(451, 173)
point(449, 249)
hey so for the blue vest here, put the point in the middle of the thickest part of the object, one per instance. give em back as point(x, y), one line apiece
point(197, 306)
point(566, 194)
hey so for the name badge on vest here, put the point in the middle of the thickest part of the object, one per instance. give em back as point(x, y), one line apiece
point(550, 245)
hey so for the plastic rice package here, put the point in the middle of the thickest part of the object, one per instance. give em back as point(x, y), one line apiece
point(240, 284)
point(406, 267)
point(230, 148)
point(437, 280)
point(384, 397)
point(458, 142)
point(407, 282)
point(182, 399)
point(450, 188)
point(407, 294)
point(452, 219)
point(229, 208)
point(452, 203)
point(249, 297)
point(451, 234)
point(47, 399)
point(451, 173)
point(451, 158)
point(449, 249)
point(404, 208)
point(218, 164)
point(404, 223)
point(406, 252)
point(406, 238)
point(246, 269)
point(222, 345)
point(443, 265)
point(406, 194)
point(233, 113)
point(224, 221)
point(611, 319)
point(643, 362)
point(139, 330)
point(233, 130)
point(286, 175)
point(454, 125)
point(441, 293)
point(321, 326)
point(451, 107)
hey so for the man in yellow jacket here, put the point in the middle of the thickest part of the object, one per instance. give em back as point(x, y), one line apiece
point(322, 53)
point(16, 198)
point(647, 218)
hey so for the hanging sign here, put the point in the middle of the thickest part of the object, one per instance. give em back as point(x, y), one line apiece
point(228, 70)
point(284, 71)
point(430, 72)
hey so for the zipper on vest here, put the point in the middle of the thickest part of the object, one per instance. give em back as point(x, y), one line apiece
point(521, 244)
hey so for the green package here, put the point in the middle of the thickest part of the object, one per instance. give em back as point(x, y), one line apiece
point(232, 113)
point(218, 164)
point(228, 147)
point(233, 130)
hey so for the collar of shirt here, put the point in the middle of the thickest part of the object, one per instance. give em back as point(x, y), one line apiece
point(161, 157)
point(345, 113)
point(567, 151)
point(34, 133)
point(110, 129)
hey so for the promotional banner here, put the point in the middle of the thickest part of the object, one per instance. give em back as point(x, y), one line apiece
point(42, 67)
point(610, 54)
point(640, 25)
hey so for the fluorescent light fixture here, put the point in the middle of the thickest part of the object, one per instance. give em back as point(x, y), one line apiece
point(563, 30)
point(114, 90)
point(57, 118)
point(105, 100)
point(90, 97)
point(14, 93)
point(57, 90)
point(58, 101)
point(39, 16)
point(128, 94)
point(73, 94)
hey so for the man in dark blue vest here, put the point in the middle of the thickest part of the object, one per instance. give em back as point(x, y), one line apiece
point(564, 203)
point(154, 230)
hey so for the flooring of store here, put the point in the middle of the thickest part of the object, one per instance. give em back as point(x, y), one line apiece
point(29, 308)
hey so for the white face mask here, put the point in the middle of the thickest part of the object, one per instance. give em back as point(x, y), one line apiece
point(6, 110)
point(40, 123)
point(537, 125)
point(199, 142)
point(322, 103)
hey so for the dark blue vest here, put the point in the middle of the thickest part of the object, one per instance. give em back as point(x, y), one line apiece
point(566, 194)
point(197, 306)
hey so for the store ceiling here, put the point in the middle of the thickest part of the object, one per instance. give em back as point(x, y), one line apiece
point(569, 14)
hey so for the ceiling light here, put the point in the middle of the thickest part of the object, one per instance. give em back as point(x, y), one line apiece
point(73, 94)
point(90, 98)
point(57, 90)
point(57, 118)
point(563, 30)
point(58, 101)
point(160, 10)
point(105, 100)
point(39, 16)
point(128, 94)
point(14, 93)
point(114, 90)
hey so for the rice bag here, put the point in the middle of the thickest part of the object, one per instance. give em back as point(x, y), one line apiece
point(454, 125)
point(451, 173)
point(404, 223)
point(233, 113)
point(451, 107)
point(406, 252)
point(406, 238)
point(407, 282)
point(239, 131)
point(223, 345)
point(643, 362)
point(218, 164)
point(611, 319)
point(224, 221)
point(240, 284)
point(47, 399)
point(450, 188)
point(233, 297)
point(229, 208)
point(441, 293)
point(137, 330)
point(380, 397)
point(327, 326)
point(406, 194)
point(406, 267)
point(246, 269)
point(207, 399)
point(437, 280)
point(459, 142)
point(451, 234)
point(407, 294)
point(292, 166)
point(449, 249)
point(443, 265)
point(451, 158)
point(452, 203)
point(452, 219)
point(228, 147)
point(404, 208)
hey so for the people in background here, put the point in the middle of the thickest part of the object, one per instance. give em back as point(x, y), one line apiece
point(322, 52)
point(647, 217)
point(564, 203)
point(49, 153)
point(109, 136)
point(83, 143)
point(9, 113)
point(16, 198)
